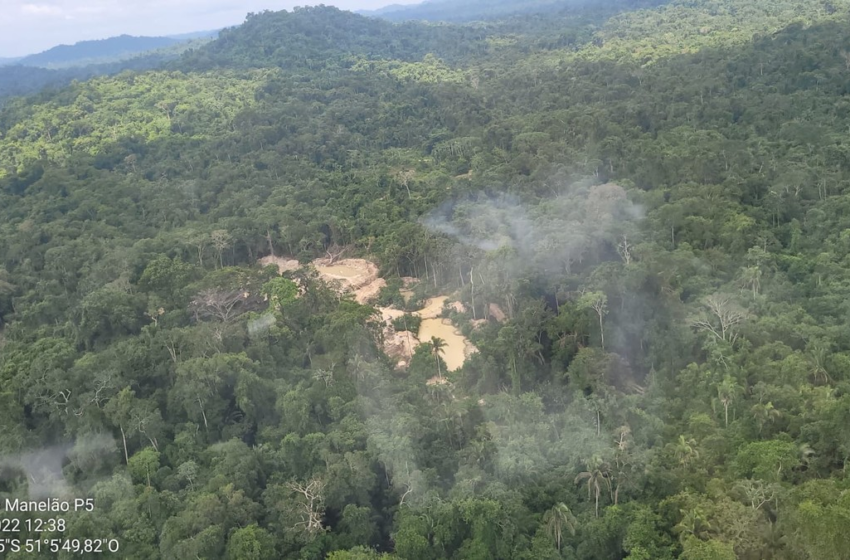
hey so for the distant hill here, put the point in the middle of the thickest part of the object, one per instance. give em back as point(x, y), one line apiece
point(58, 66)
point(18, 80)
point(393, 8)
point(469, 10)
point(209, 34)
point(90, 52)
point(323, 36)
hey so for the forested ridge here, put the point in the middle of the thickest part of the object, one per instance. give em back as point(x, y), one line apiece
point(640, 208)
point(113, 48)
point(59, 66)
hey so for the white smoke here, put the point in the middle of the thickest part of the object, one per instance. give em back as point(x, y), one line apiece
point(261, 325)
point(547, 237)
point(44, 468)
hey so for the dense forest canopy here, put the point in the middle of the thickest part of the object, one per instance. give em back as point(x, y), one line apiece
point(466, 10)
point(477, 10)
point(635, 211)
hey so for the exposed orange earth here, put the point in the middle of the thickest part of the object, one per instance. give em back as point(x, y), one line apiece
point(360, 277)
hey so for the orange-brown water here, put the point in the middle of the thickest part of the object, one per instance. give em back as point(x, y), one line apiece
point(340, 271)
point(454, 353)
point(433, 308)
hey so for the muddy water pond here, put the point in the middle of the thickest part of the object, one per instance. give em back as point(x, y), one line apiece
point(457, 346)
point(454, 354)
point(340, 271)
point(433, 308)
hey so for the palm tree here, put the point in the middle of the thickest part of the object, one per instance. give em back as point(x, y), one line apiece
point(693, 523)
point(751, 278)
point(764, 413)
point(807, 454)
point(816, 354)
point(596, 476)
point(438, 346)
point(358, 367)
point(727, 390)
point(557, 519)
point(686, 449)
point(622, 461)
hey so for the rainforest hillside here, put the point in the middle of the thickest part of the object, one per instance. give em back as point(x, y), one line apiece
point(17, 80)
point(465, 10)
point(113, 48)
point(480, 10)
point(59, 66)
point(637, 216)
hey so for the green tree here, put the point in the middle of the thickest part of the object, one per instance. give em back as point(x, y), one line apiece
point(249, 543)
point(727, 391)
point(356, 553)
point(686, 450)
point(693, 524)
point(596, 476)
point(558, 519)
point(119, 410)
point(598, 302)
point(438, 346)
point(167, 278)
point(280, 292)
point(764, 413)
point(695, 549)
point(144, 464)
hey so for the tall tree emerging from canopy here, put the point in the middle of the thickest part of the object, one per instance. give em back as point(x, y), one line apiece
point(596, 476)
point(598, 302)
point(727, 391)
point(438, 347)
point(557, 520)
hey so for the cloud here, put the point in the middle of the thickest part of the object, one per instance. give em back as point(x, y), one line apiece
point(41, 10)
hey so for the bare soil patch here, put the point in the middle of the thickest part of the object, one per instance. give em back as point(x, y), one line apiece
point(283, 264)
point(360, 277)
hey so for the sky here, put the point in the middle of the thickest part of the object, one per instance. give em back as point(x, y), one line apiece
point(31, 26)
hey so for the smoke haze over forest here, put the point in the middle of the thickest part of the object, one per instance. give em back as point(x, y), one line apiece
point(529, 285)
